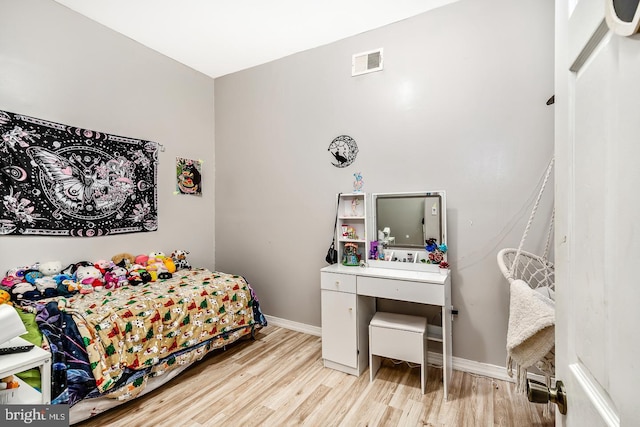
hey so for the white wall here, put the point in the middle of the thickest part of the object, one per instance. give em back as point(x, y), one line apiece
point(60, 66)
point(460, 106)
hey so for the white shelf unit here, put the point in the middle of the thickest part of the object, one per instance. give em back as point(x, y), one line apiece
point(352, 223)
point(14, 363)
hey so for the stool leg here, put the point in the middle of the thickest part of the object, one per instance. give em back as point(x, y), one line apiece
point(423, 368)
point(374, 361)
point(374, 365)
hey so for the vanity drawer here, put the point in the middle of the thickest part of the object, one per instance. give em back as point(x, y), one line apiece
point(338, 282)
point(422, 292)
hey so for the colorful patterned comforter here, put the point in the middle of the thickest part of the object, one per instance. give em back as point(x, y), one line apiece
point(112, 341)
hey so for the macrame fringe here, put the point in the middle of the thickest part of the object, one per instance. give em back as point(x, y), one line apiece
point(521, 381)
point(521, 374)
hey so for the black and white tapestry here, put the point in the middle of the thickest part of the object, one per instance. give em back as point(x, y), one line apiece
point(59, 180)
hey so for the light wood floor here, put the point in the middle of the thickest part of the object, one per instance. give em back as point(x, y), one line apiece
point(279, 380)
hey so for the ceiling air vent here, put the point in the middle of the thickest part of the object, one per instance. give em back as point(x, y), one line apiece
point(366, 62)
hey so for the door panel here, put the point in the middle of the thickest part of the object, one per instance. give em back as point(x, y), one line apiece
point(598, 210)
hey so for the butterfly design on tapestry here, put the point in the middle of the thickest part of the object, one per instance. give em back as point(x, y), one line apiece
point(83, 184)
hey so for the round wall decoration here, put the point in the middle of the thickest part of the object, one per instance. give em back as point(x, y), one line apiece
point(344, 149)
point(623, 16)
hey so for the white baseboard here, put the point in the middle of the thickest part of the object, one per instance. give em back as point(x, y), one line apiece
point(294, 326)
point(459, 364)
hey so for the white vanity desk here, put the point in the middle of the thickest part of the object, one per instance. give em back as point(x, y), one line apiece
point(348, 296)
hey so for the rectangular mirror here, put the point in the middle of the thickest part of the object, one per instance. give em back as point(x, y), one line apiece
point(408, 220)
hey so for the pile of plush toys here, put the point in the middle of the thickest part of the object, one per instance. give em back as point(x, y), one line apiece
point(50, 279)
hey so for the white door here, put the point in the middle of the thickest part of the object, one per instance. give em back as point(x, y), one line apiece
point(598, 217)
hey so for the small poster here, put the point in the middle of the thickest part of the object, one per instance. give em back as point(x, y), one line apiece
point(188, 176)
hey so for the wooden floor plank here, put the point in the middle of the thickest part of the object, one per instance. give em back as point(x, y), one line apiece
point(279, 379)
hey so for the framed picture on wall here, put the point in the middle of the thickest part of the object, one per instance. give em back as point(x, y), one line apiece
point(188, 176)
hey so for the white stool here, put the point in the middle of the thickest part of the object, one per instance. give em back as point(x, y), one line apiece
point(398, 336)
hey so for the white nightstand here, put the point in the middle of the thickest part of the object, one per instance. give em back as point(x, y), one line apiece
point(18, 362)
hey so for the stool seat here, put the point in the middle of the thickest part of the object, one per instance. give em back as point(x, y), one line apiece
point(402, 322)
point(398, 336)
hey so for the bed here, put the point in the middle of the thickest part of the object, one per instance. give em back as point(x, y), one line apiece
point(112, 346)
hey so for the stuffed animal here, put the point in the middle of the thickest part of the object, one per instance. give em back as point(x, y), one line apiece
point(25, 290)
point(30, 276)
point(141, 259)
point(156, 267)
point(18, 273)
point(115, 278)
point(169, 265)
point(71, 285)
point(179, 258)
point(123, 259)
point(168, 262)
point(121, 276)
point(5, 297)
point(47, 284)
point(66, 286)
point(71, 269)
point(59, 278)
point(50, 268)
point(138, 275)
point(89, 275)
point(104, 265)
point(9, 281)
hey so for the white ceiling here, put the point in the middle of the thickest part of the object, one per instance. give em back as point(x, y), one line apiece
point(218, 37)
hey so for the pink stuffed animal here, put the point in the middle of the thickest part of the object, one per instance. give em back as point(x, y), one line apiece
point(104, 265)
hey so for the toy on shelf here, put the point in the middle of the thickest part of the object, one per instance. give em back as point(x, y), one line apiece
point(351, 257)
point(8, 383)
point(373, 251)
point(358, 183)
point(7, 387)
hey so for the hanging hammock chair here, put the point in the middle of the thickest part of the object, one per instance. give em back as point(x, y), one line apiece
point(538, 273)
